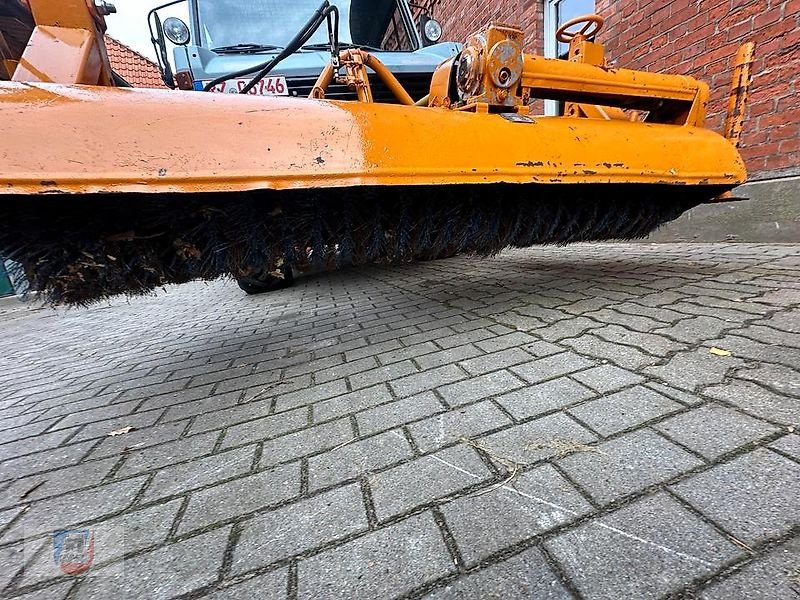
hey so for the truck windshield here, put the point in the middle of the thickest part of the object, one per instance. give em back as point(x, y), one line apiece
point(375, 23)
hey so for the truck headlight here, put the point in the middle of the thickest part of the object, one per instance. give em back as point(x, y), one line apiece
point(432, 30)
point(176, 31)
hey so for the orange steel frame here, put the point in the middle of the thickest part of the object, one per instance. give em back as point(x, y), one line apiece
point(67, 45)
point(340, 144)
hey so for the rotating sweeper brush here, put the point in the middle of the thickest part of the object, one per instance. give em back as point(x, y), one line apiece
point(107, 190)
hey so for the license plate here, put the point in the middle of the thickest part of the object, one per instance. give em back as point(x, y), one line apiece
point(269, 86)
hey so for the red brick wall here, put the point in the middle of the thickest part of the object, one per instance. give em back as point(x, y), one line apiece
point(459, 18)
point(692, 37)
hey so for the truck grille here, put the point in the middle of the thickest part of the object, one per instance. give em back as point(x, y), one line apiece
point(417, 85)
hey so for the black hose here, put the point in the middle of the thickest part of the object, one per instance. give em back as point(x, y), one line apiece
point(293, 46)
point(297, 43)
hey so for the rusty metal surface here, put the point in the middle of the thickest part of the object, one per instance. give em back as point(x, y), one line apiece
point(740, 90)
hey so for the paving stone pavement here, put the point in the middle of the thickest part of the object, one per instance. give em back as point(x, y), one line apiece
point(550, 423)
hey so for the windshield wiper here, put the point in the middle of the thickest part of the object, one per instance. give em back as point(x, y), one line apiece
point(327, 46)
point(246, 49)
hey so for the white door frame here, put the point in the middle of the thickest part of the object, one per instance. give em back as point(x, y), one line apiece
point(550, 44)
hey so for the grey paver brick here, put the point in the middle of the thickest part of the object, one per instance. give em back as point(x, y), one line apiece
point(543, 397)
point(495, 361)
point(463, 422)
point(712, 430)
point(676, 394)
point(788, 444)
point(694, 368)
point(398, 412)
point(768, 353)
point(356, 459)
point(427, 380)
point(477, 388)
point(74, 508)
point(535, 502)
point(198, 407)
point(645, 550)
point(381, 375)
point(44, 461)
point(652, 343)
point(101, 429)
point(265, 428)
point(773, 576)
point(100, 413)
point(139, 438)
point(45, 441)
point(626, 357)
point(60, 481)
point(782, 379)
point(415, 351)
point(525, 575)
point(149, 391)
point(517, 321)
point(536, 440)
point(372, 349)
point(310, 395)
point(298, 527)
point(569, 328)
point(306, 442)
point(785, 320)
point(541, 349)
point(166, 454)
point(758, 401)
point(352, 402)
point(178, 479)
point(176, 569)
point(627, 464)
point(435, 476)
point(636, 322)
point(13, 558)
point(16, 428)
point(753, 496)
point(505, 341)
point(468, 337)
point(367, 566)
point(445, 357)
point(552, 366)
point(273, 584)
point(230, 416)
point(345, 369)
point(272, 389)
point(607, 378)
point(59, 591)
point(622, 410)
point(769, 335)
point(114, 538)
point(241, 496)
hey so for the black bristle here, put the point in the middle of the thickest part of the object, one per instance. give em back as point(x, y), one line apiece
point(77, 250)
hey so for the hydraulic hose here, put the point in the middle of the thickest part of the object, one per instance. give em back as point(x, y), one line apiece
point(263, 69)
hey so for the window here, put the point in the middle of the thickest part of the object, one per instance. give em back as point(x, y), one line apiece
point(556, 13)
point(376, 23)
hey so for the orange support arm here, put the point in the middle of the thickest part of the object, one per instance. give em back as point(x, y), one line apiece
point(740, 89)
point(73, 31)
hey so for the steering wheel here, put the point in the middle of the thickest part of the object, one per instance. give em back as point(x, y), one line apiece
point(587, 26)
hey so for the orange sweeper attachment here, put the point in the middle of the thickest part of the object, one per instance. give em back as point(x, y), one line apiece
point(111, 190)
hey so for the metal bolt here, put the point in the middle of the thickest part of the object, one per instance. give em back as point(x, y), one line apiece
point(105, 8)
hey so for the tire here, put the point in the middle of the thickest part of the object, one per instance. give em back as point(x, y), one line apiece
point(266, 283)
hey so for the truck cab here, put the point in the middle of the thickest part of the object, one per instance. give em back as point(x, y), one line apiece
point(226, 36)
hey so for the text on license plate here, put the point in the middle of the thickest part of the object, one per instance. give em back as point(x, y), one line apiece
point(269, 86)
